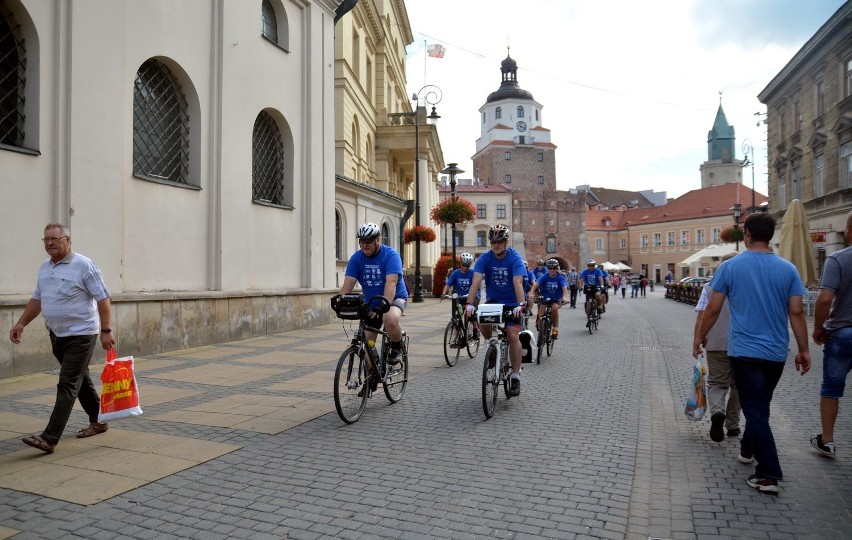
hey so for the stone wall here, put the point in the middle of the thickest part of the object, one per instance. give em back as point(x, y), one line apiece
point(162, 322)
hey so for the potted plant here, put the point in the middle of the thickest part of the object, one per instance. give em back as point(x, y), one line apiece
point(453, 210)
point(419, 233)
point(731, 235)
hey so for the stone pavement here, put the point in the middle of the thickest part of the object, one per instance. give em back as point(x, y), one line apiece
point(241, 440)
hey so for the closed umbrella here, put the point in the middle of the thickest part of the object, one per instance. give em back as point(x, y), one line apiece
point(795, 242)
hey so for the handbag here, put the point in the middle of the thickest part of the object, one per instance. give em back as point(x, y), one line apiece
point(696, 400)
point(119, 392)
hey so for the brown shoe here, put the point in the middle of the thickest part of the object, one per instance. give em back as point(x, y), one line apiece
point(37, 442)
point(93, 429)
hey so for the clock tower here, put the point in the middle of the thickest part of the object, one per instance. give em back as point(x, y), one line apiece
point(514, 150)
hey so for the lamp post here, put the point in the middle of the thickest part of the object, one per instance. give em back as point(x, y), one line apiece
point(738, 211)
point(453, 169)
point(748, 151)
point(431, 95)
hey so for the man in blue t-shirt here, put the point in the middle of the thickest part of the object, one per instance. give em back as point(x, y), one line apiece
point(539, 269)
point(552, 286)
point(459, 281)
point(763, 292)
point(529, 279)
point(503, 271)
point(378, 269)
point(593, 282)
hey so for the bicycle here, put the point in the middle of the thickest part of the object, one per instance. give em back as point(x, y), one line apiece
point(459, 334)
point(353, 381)
point(592, 315)
point(492, 373)
point(545, 333)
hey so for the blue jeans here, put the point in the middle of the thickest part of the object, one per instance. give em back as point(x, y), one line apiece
point(756, 380)
point(836, 363)
point(73, 354)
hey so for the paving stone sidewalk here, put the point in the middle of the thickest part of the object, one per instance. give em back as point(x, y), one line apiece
point(240, 440)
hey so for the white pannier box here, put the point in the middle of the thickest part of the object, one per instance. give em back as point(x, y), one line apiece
point(490, 314)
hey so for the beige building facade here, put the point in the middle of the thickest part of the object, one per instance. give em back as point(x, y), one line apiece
point(189, 146)
point(809, 120)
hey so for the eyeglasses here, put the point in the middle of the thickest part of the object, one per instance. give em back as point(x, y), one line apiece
point(47, 239)
point(364, 242)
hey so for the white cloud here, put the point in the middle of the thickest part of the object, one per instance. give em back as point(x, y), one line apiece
point(629, 89)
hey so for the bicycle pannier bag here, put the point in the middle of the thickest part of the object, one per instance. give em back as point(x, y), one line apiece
point(348, 306)
point(490, 313)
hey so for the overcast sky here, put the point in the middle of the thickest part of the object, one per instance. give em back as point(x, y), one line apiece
point(628, 89)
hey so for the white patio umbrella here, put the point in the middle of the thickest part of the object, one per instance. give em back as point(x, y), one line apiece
point(795, 242)
point(622, 267)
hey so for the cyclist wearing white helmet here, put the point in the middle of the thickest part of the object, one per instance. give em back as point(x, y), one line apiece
point(592, 278)
point(378, 268)
point(553, 286)
point(502, 270)
point(459, 281)
point(539, 269)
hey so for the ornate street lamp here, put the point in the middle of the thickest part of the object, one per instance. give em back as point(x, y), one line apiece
point(737, 209)
point(430, 95)
point(453, 169)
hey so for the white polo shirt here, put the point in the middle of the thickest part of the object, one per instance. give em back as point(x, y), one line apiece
point(68, 291)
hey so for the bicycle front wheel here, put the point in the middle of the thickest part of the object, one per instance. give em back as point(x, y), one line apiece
point(452, 343)
point(489, 381)
point(542, 341)
point(350, 385)
point(549, 335)
point(472, 343)
point(397, 376)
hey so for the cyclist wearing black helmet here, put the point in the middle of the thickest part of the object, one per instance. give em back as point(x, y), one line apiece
point(551, 286)
point(378, 268)
point(503, 271)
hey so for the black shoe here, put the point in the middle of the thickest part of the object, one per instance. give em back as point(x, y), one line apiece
point(717, 422)
point(514, 387)
point(734, 432)
point(374, 384)
point(395, 356)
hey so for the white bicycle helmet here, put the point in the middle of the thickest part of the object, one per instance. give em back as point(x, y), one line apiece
point(552, 263)
point(591, 262)
point(466, 259)
point(498, 233)
point(368, 231)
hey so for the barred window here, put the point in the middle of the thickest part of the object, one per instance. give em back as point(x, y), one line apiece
point(13, 78)
point(338, 237)
point(160, 125)
point(267, 161)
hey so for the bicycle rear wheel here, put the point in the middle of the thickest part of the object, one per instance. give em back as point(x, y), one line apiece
point(452, 339)
point(549, 335)
point(542, 341)
point(472, 344)
point(397, 376)
point(591, 313)
point(350, 379)
point(489, 381)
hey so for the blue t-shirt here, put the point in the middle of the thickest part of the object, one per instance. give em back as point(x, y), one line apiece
point(551, 287)
point(528, 281)
point(460, 282)
point(591, 278)
point(605, 276)
point(371, 271)
point(538, 272)
point(498, 274)
point(758, 286)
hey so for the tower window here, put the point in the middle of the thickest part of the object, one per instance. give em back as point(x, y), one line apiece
point(541, 180)
point(507, 179)
point(540, 156)
point(507, 156)
point(498, 113)
point(520, 111)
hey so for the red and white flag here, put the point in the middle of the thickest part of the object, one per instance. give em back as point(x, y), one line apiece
point(436, 50)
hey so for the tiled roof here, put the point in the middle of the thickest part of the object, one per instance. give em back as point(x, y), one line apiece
point(616, 197)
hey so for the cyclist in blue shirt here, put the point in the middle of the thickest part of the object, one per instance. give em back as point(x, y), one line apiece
point(502, 270)
point(553, 286)
point(593, 282)
point(378, 268)
point(529, 279)
point(539, 269)
point(606, 285)
point(459, 281)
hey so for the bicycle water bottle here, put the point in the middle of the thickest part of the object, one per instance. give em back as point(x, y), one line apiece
point(374, 354)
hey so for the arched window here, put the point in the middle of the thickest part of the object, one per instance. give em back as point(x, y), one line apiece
point(274, 25)
point(498, 113)
point(385, 234)
point(267, 161)
point(520, 111)
point(338, 237)
point(13, 62)
point(160, 125)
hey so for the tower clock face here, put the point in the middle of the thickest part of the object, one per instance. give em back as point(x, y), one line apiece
point(521, 126)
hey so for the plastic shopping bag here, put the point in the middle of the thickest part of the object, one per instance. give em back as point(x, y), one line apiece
point(696, 400)
point(119, 393)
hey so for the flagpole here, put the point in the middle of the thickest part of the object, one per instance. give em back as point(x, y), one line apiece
point(425, 59)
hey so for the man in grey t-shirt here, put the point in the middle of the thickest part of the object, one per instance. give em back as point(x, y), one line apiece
point(833, 327)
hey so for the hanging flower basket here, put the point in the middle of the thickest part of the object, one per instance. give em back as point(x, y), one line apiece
point(421, 233)
point(453, 210)
point(731, 235)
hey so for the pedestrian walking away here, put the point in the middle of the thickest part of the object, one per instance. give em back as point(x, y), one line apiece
point(833, 329)
point(723, 415)
point(72, 298)
point(763, 291)
point(573, 285)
